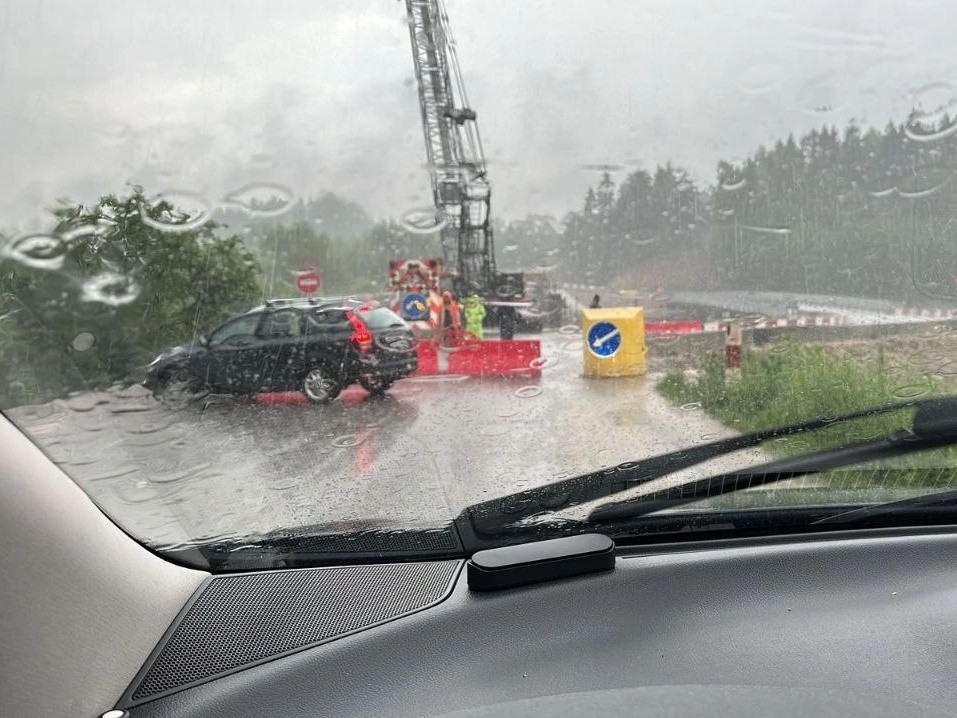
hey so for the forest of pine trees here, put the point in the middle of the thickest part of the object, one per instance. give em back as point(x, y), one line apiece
point(861, 213)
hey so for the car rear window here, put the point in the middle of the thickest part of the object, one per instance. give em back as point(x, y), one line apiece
point(381, 318)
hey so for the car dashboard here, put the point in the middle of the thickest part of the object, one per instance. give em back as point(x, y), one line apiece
point(850, 623)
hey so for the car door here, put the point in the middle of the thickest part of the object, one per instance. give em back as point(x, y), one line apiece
point(280, 338)
point(235, 355)
point(328, 334)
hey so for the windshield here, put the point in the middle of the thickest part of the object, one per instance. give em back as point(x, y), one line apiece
point(558, 237)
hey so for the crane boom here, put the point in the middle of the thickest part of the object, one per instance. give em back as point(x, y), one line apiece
point(456, 158)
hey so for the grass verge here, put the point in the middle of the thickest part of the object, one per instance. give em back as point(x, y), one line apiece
point(795, 383)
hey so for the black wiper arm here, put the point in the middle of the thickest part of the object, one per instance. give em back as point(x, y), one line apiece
point(934, 426)
point(489, 517)
point(867, 513)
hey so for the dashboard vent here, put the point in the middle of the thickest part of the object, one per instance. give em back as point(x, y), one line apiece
point(242, 620)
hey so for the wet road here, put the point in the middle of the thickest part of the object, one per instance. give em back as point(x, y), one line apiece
point(229, 468)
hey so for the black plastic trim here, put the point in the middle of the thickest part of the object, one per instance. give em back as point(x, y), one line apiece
point(539, 561)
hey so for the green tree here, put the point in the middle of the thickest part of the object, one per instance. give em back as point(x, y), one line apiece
point(91, 302)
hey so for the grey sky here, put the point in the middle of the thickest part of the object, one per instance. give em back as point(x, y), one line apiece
point(316, 95)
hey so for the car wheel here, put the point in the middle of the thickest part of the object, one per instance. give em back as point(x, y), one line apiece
point(319, 385)
point(375, 384)
point(179, 388)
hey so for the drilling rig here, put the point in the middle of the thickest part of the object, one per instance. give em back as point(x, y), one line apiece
point(458, 172)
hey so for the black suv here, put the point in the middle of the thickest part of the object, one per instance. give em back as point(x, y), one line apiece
point(315, 346)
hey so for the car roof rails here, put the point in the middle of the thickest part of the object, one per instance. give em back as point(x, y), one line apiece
point(278, 302)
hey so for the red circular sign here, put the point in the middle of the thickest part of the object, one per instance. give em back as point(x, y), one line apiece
point(308, 282)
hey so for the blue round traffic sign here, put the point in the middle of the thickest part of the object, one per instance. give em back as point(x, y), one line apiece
point(415, 306)
point(604, 339)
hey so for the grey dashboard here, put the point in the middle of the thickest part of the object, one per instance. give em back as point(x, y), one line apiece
point(849, 624)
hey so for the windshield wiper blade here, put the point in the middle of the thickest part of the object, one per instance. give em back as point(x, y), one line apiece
point(490, 518)
point(864, 514)
point(934, 426)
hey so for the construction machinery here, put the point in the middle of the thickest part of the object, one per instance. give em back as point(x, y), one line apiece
point(458, 173)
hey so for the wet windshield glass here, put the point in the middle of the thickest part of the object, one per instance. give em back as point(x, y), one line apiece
point(353, 267)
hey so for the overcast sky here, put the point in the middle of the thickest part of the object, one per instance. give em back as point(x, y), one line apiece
point(315, 96)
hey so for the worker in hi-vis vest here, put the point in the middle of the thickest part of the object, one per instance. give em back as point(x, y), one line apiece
point(474, 310)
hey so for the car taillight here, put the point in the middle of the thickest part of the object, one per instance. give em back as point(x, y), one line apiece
point(360, 333)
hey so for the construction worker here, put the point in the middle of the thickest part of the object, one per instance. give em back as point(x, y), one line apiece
point(451, 320)
point(474, 315)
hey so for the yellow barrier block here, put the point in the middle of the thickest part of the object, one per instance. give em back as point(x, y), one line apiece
point(613, 341)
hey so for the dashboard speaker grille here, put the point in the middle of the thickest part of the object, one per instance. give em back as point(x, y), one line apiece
point(241, 620)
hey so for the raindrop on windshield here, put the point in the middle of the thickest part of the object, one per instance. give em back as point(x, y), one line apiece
point(344, 442)
point(262, 199)
point(83, 341)
point(110, 288)
point(175, 476)
point(822, 95)
point(760, 78)
point(151, 427)
point(599, 167)
point(115, 133)
point(40, 251)
point(911, 391)
point(948, 368)
point(936, 118)
point(423, 220)
point(925, 181)
point(284, 485)
point(137, 493)
point(189, 211)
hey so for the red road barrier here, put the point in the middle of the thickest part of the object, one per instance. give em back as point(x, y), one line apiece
point(503, 357)
point(428, 352)
point(486, 357)
point(673, 327)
